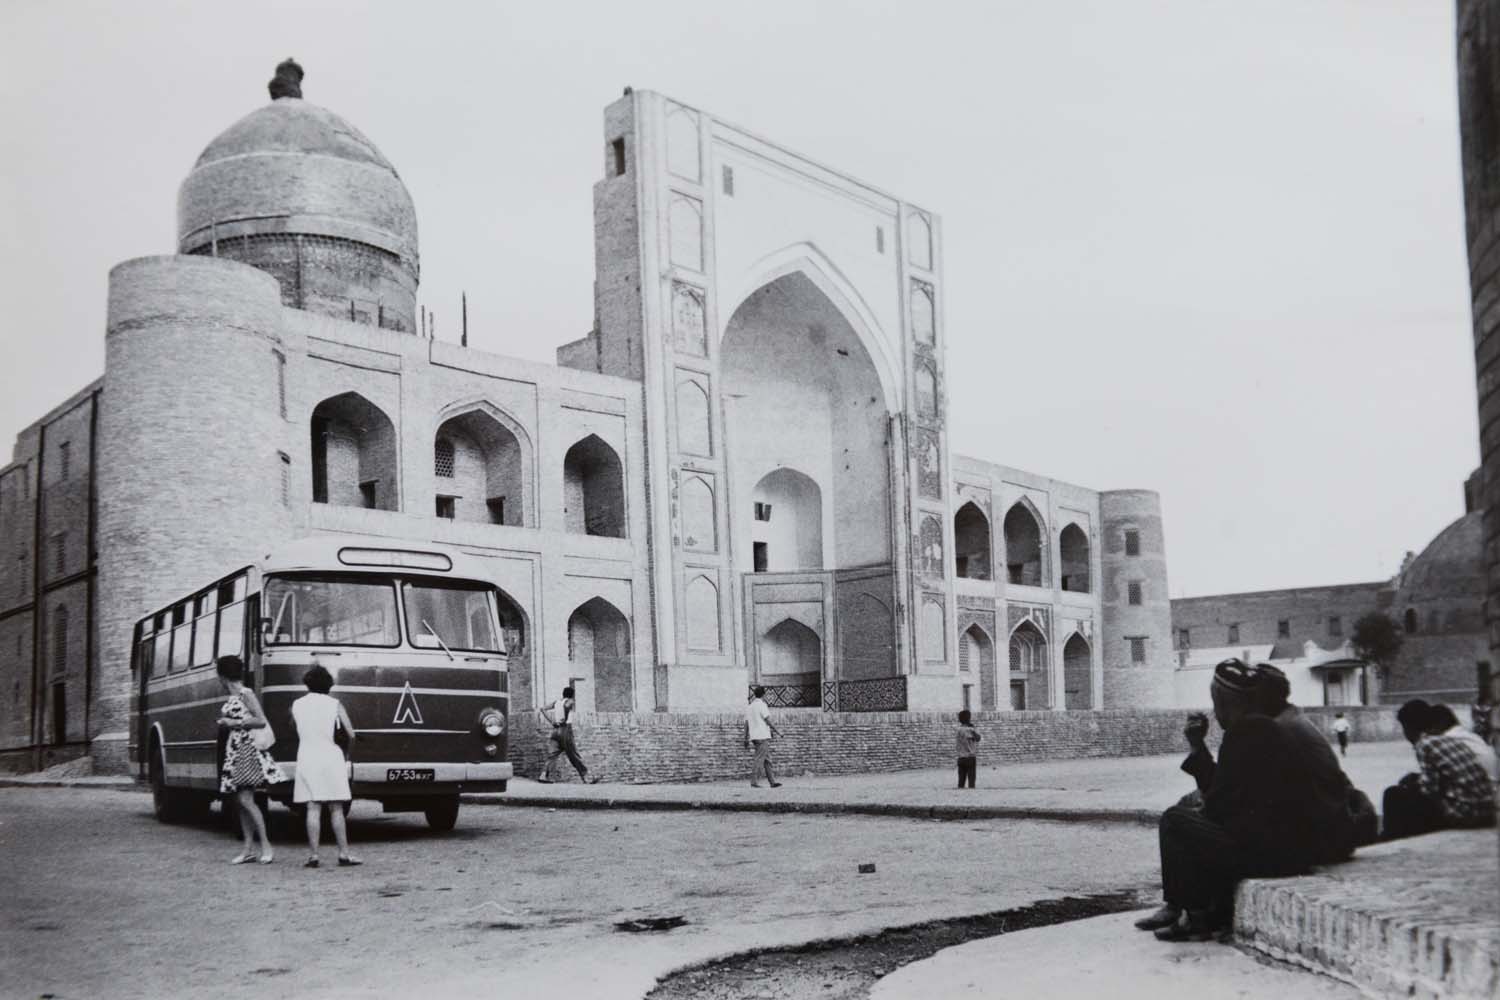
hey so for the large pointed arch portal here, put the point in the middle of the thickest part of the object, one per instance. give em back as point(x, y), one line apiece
point(789, 350)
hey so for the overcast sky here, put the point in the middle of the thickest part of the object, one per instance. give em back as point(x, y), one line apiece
point(1211, 249)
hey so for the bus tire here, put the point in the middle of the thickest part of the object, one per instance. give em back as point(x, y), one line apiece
point(442, 814)
point(168, 804)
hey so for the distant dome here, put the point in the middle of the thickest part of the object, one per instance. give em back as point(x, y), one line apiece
point(293, 170)
point(1452, 565)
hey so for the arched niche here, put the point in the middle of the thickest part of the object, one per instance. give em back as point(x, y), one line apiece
point(1073, 550)
point(790, 349)
point(354, 455)
point(702, 607)
point(790, 653)
point(1078, 673)
point(971, 543)
point(1023, 545)
point(593, 489)
point(481, 465)
point(1029, 662)
point(599, 654)
point(786, 518)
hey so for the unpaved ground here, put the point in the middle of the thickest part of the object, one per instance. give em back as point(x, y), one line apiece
point(848, 970)
point(97, 899)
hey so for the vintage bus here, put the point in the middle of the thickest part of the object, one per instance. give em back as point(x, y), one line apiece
point(411, 635)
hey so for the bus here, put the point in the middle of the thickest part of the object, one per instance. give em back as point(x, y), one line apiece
point(411, 635)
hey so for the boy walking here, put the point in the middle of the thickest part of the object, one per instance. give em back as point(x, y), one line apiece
point(758, 731)
point(561, 715)
point(968, 749)
point(1341, 730)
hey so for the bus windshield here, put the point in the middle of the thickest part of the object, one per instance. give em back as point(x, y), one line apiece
point(452, 615)
point(331, 610)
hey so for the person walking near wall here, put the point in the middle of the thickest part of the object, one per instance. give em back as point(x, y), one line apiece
point(758, 732)
point(1341, 732)
point(561, 715)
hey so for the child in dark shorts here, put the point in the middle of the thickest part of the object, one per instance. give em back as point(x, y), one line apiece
point(967, 740)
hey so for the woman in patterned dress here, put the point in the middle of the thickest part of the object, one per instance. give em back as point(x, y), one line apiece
point(246, 766)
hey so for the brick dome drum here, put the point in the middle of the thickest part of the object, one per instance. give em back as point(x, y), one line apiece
point(295, 190)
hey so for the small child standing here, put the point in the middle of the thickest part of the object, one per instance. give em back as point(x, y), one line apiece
point(1341, 730)
point(967, 738)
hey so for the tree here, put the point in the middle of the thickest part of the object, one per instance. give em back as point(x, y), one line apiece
point(1376, 640)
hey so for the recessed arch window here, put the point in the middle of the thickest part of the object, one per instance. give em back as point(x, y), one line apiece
point(593, 489)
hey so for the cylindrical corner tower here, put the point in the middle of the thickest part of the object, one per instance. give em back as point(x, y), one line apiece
point(1137, 609)
point(191, 444)
point(296, 191)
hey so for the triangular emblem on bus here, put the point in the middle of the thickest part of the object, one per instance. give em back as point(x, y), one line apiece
point(406, 708)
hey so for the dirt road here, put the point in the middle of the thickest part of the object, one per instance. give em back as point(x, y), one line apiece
point(98, 899)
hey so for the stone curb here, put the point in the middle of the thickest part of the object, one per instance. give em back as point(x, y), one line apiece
point(1295, 921)
point(1144, 817)
point(117, 784)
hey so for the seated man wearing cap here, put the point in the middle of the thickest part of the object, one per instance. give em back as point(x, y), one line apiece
point(1275, 803)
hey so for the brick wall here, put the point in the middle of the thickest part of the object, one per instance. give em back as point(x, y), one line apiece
point(669, 747)
point(1478, 29)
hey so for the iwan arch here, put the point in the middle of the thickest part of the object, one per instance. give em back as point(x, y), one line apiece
point(741, 475)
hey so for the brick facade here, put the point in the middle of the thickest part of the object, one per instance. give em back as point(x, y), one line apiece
point(667, 747)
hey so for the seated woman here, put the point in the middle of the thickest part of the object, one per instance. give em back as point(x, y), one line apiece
point(322, 777)
point(1275, 803)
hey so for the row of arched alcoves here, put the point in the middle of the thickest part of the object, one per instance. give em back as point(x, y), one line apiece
point(1025, 558)
point(599, 658)
point(1029, 668)
point(792, 653)
point(482, 468)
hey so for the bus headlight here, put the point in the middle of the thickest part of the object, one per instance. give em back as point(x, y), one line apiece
point(492, 722)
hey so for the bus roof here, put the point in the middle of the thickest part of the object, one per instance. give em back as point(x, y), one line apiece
point(371, 554)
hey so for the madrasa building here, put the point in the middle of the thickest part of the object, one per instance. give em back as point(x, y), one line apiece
point(740, 476)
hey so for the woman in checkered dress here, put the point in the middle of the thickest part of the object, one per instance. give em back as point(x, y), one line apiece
point(246, 767)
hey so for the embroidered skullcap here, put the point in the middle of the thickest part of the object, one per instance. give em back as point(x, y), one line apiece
point(1235, 675)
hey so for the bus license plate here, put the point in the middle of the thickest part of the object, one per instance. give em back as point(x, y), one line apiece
point(410, 774)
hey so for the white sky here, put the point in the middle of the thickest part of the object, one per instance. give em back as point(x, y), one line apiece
point(1209, 248)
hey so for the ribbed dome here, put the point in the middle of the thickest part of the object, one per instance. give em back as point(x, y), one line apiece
point(1452, 565)
point(293, 167)
point(292, 125)
point(294, 189)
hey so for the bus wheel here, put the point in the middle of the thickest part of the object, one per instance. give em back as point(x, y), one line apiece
point(166, 803)
point(442, 814)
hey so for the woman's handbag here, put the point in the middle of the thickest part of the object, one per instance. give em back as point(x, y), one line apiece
point(263, 737)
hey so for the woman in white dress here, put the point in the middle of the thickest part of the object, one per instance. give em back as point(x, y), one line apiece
point(322, 775)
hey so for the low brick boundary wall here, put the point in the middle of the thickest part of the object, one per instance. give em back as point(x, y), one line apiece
point(673, 747)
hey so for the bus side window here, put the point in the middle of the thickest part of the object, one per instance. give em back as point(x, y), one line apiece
point(182, 638)
point(232, 629)
point(203, 629)
point(162, 656)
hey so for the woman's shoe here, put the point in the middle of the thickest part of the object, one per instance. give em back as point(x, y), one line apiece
point(311, 863)
point(349, 862)
point(266, 858)
point(1164, 917)
point(243, 858)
